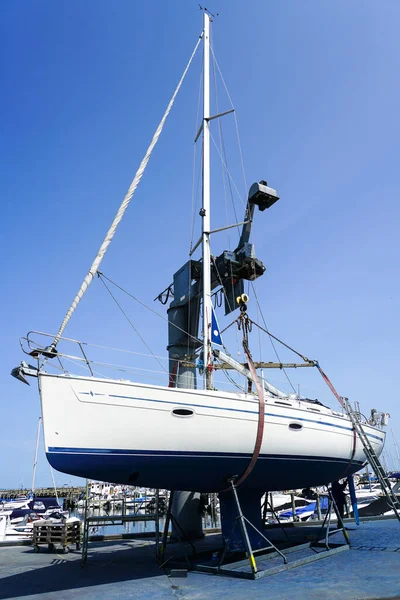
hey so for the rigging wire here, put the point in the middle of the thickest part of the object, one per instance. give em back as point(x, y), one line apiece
point(130, 322)
point(223, 153)
point(138, 371)
point(270, 337)
point(123, 207)
point(259, 332)
point(215, 63)
point(304, 358)
point(101, 275)
point(225, 162)
point(195, 185)
point(236, 123)
point(227, 170)
point(195, 195)
point(241, 388)
point(229, 377)
point(102, 347)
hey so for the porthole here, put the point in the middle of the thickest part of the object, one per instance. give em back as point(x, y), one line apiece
point(183, 412)
point(295, 426)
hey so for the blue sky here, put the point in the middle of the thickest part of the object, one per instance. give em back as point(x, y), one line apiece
point(316, 91)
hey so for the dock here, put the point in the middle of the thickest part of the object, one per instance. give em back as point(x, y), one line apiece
point(44, 492)
point(120, 569)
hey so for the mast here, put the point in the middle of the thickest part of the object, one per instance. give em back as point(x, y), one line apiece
point(205, 212)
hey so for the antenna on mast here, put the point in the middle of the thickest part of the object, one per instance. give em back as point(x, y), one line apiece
point(208, 11)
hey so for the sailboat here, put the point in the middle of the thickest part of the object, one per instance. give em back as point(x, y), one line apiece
point(178, 436)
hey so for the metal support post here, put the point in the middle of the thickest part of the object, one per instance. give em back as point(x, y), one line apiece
point(318, 501)
point(243, 527)
point(327, 521)
point(270, 503)
point(243, 522)
point(265, 507)
point(295, 517)
point(157, 508)
point(85, 536)
point(169, 518)
point(166, 526)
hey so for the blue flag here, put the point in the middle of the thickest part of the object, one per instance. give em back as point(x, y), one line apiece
point(215, 334)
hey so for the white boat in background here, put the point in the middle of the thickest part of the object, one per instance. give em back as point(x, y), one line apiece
point(8, 533)
point(21, 501)
point(22, 532)
point(180, 438)
point(371, 502)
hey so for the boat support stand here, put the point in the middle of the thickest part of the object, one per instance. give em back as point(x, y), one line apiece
point(169, 518)
point(309, 552)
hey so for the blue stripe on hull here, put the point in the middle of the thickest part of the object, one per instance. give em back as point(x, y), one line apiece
point(197, 471)
point(193, 404)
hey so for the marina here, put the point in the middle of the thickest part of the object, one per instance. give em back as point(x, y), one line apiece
point(238, 444)
point(195, 453)
point(105, 509)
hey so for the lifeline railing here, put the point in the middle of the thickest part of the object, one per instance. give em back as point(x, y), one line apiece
point(46, 355)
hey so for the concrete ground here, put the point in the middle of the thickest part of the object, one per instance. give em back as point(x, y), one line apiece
point(128, 569)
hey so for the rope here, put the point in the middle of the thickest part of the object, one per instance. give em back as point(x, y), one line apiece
point(261, 419)
point(261, 415)
point(121, 211)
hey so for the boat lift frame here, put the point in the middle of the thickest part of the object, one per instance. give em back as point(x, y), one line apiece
point(320, 548)
point(235, 569)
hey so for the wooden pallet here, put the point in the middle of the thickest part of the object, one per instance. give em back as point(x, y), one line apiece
point(56, 534)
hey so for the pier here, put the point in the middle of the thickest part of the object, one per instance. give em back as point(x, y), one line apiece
point(47, 492)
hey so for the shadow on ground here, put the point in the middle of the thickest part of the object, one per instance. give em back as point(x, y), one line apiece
point(54, 572)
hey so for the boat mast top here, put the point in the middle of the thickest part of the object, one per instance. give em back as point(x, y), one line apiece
point(205, 211)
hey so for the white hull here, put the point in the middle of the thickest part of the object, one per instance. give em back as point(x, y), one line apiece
point(129, 433)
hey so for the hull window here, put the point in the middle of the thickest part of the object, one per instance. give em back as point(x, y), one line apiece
point(182, 412)
point(295, 426)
